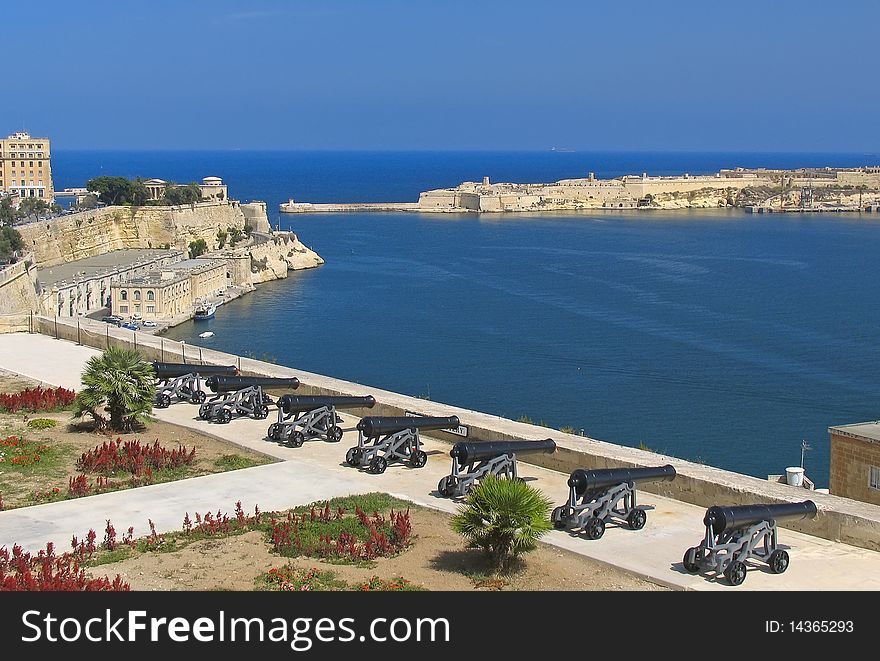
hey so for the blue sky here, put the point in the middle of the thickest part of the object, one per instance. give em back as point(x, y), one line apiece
point(388, 74)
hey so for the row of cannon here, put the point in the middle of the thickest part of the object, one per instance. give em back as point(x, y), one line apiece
point(733, 535)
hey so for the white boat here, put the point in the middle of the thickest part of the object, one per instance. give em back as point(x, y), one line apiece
point(207, 334)
point(205, 312)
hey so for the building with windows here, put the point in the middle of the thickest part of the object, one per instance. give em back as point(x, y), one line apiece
point(169, 291)
point(83, 286)
point(213, 189)
point(25, 167)
point(855, 461)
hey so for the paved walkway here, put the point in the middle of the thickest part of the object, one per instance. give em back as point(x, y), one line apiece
point(317, 471)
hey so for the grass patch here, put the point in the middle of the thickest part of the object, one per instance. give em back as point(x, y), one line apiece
point(42, 423)
point(25, 457)
point(116, 555)
point(291, 579)
point(234, 462)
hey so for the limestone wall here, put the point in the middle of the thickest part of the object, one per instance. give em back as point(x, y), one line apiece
point(18, 291)
point(255, 215)
point(96, 232)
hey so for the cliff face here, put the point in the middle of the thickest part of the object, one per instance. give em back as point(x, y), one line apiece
point(96, 232)
point(278, 253)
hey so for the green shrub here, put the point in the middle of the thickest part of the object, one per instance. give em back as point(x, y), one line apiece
point(505, 518)
point(41, 423)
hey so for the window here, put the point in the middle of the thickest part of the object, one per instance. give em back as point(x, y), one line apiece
point(123, 308)
point(151, 309)
point(123, 296)
point(137, 295)
point(874, 477)
point(151, 296)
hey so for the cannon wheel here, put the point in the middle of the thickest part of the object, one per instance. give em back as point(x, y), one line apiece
point(378, 465)
point(690, 560)
point(334, 434)
point(273, 431)
point(197, 397)
point(353, 456)
point(637, 519)
point(163, 401)
point(595, 528)
point(735, 573)
point(297, 438)
point(447, 486)
point(205, 411)
point(778, 561)
point(559, 517)
point(261, 412)
point(418, 459)
point(225, 416)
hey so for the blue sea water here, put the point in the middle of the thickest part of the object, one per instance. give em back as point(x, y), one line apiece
point(714, 336)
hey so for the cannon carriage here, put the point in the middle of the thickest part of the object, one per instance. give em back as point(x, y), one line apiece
point(304, 417)
point(599, 496)
point(472, 462)
point(737, 534)
point(184, 382)
point(242, 396)
point(382, 440)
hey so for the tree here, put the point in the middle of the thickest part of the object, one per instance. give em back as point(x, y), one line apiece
point(138, 193)
point(89, 201)
point(189, 194)
point(221, 238)
point(32, 206)
point(8, 213)
point(10, 242)
point(197, 247)
point(110, 190)
point(120, 384)
point(503, 517)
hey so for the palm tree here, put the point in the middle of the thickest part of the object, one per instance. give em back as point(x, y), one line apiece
point(120, 383)
point(503, 517)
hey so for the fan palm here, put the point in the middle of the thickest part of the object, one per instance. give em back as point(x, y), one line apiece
point(503, 517)
point(118, 389)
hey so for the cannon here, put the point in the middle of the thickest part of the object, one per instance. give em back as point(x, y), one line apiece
point(184, 381)
point(302, 417)
point(241, 395)
point(737, 534)
point(382, 440)
point(471, 462)
point(601, 495)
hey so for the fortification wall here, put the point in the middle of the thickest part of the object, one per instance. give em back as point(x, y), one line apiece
point(96, 232)
point(18, 290)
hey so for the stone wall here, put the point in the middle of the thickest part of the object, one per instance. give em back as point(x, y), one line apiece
point(851, 459)
point(96, 232)
point(839, 519)
point(18, 289)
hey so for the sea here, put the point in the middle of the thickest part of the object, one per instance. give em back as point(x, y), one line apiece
point(715, 336)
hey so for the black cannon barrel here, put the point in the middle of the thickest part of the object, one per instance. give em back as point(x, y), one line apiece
point(586, 480)
point(376, 425)
point(467, 452)
point(233, 383)
point(738, 516)
point(174, 370)
point(302, 403)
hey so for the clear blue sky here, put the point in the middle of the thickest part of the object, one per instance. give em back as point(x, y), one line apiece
point(450, 74)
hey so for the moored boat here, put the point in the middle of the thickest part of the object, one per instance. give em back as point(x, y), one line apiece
point(205, 312)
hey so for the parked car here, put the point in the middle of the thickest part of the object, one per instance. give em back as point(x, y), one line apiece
point(131, 325)
point(136, 316)
point(149, 324)
point(113, 319)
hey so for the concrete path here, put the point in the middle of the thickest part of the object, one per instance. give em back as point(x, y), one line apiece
point(317, 471)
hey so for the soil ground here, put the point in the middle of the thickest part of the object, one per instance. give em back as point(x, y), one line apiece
point(436, 561)
point(68, 441)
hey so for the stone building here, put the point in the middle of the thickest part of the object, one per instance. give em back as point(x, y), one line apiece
point(170, 291)
point(25, 167)
point(855, 461)
point(83, 286)
point(213, 189)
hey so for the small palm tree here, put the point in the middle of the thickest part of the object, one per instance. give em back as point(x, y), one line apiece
point(120, 383)
point(503, 517)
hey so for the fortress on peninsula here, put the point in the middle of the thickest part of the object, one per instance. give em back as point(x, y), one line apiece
point(758, 189)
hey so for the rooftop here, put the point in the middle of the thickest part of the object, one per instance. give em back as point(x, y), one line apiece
point(100, 265)
point(865, 430)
